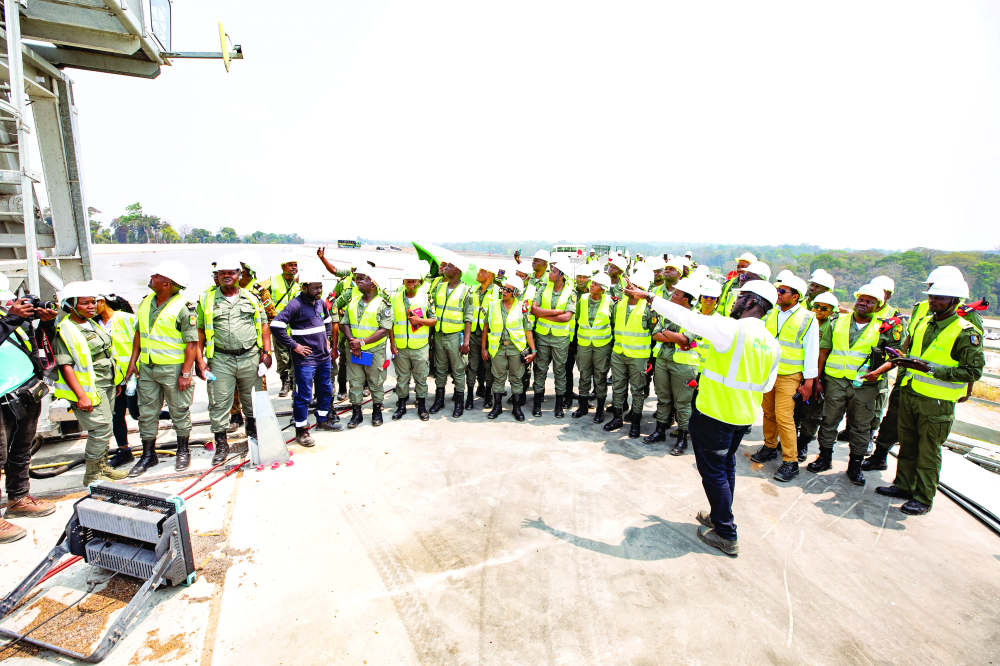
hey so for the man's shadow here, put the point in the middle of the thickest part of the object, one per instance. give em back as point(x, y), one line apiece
point(662, 540)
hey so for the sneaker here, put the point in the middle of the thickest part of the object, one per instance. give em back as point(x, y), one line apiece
point(788, 471)
point(708, 535)
point(28, 507)
point(764, 454)
point(10, 532)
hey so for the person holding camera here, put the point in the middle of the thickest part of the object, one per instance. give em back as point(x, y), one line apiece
point(21, 393)
point(507, 340)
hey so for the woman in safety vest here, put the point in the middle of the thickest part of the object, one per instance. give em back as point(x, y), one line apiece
point(85, 356)
point(508, 341)
point(115, 316)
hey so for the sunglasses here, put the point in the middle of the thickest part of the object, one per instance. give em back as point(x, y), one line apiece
point(508, 290)
point(823, 308)
point(783, 291)
point(709, 298)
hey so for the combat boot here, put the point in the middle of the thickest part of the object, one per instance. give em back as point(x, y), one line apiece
point(122, 456)
point(488, 399)
point(599, 414)
point(876, 461)
point(286, 386)
point(480, 391)
point(658, 435)
point(146, 460)
point(788, 471)
point(470, 399)
point(303, 438)
point(854, 472)
point(376, 414)
point(235, 421)
point(516, 409)
point(844, 435)
point(536, 410)
point(497, 406)
point(764, 454)
point(400, 408)
point(438, 403)
point(183, 458)
point(356, 418)
point(803, 447)
point(583, 408)
point(616, 420)
point(221, 448)
point(682, 443)
point(633, 431)
point(458, 399)
point(422, 410)
point(94, 473)
point(823, 462)
point(110, 471)
point(627, 413)
point(251, 429)
point(558, 411)
point(330, 424)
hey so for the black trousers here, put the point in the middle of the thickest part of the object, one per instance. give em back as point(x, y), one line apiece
point(16, 436)
point(124, 403)
point(715, 444)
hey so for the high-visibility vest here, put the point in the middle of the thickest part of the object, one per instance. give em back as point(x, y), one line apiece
point(402, 333)
point(937, 355)
point(122, 336)
point(726, 298)
point(528, 297)
point(791, 337)
point(631, 338)
point(845, 360)
point(887, 311)
point(369, 320)
point(448, 309)
point(515, 326)
point(83, 365)
point(164, 344)
point(481, 304)
point(688, 357)
point(207, 303)
point(704, 344)
point(919, 312)
point(282, 292)
point(732, 383)
point(598, 335)
point(547, 327)
point(25, 339)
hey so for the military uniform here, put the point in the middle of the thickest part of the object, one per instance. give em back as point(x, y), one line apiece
point(480, 306)
point(411, 361)
point(97, 422)
point(447, 345)
point(809, 416)
point(553, 347)
point(673, 372)
point(507, 362)
point(268, 309)
point(629, 372)
point(374, 374)
point(593, 353)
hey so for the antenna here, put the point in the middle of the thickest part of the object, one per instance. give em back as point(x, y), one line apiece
point(229, 51)
point(226, 45)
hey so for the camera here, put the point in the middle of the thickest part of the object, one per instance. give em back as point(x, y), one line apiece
point(38, 303)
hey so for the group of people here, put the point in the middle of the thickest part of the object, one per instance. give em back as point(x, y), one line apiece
point(712, 353)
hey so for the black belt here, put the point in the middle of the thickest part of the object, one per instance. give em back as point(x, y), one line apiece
point(236, 352)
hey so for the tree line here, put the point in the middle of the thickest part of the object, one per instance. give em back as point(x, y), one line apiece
point(138, 226)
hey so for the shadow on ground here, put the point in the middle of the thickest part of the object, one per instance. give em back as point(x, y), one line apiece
point(663, 540)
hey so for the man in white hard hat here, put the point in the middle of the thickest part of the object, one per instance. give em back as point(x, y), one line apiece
point(234, 339)
point(251, 264)
point(616, 270)
point(592, 256)
point(732, 280)
point(945, 355)
point(413, 321)
point(797, 332)
point(367, 325)
point(554, 306)
point(282, 288)
point(741, 365)
point(485, 293)
point(593, 353)
point(163, 356)
point(657, 264)
point(888, 285)
point(820, 283)
point(852, 365)
point(455, 315)
point(809, 412)
point(540, 269)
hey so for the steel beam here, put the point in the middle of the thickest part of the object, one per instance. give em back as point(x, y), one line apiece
point(97, 62)
point(80, 37)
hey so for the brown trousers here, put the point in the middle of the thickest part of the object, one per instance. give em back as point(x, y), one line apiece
point(779, 415)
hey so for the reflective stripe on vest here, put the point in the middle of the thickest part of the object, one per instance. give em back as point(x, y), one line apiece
point(402, 332)
point(122, 336)
point(207, 303)
point(631, 338)
point(732, 383)
point(515, 327)
point(887, 312)
point(449, 308)
point(369, 320)
point(937, 355)
point(547, 327)
point(598, 335)
point(791, 337)
point(845, 360)
point(164, 344)
point(25, 338)
point(281, 292)
point(82, 363)
point(689, 357)
point(481, 304)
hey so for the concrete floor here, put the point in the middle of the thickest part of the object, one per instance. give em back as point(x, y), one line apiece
point(462, 541)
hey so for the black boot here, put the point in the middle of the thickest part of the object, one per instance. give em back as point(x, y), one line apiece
point(616, 420)
point(221, 448)
point(400, 408)
point(682, 443)
point(627, 413)
point(286, 386)
point(583, 408)
point(488, 400)
point(469, 399)
point(516, 410)
point(599, 414)
point(356, 417)
point(788, 471)
point(438, 403)
point(183, 458)
point(458, 398)
point(536, 410)
point(854, 472)
point(235, 421)
point(146, 460)
point(497, 406)
point(422, 410)
point(658, 435)
point(121, 457)
point(376, 414)
point(844, 435)
point(558, 411)
point(764, 454)
point(480, 392)
point(633, 431)
point(803, 447)
point(873, 463)
point(823, 462)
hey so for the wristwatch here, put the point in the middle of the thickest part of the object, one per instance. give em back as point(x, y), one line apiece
point(186, 375)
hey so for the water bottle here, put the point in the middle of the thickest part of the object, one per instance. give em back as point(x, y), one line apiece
point(131, 385)
point(209, 376)
point(862, 371)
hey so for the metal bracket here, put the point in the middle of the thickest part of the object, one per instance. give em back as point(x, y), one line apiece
point(237, 54)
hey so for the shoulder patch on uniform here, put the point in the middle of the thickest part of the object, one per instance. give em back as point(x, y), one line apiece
point(388, 311)
point(653, 320)
point(190, 305)
point(193, 320)
point(975, 339)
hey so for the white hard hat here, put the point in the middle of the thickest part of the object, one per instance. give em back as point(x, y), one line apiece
point(642, 278)
point(828, 298)
point(747, 256)
point(175, 271)
point(414, 272)
point(487, 265)
point(524, 267)
point(7, 296)
point(669, 256)
point(228, 262)
point(823, 279)
point(711, 288)
point(689, 254)
point(4, 283)
point(561, 266)
point(78, 289)
point(309, 277)
point(514, 282)
point(676, 263)
point(763, 289)
point(761, 269)
point(251, 260)
point(689, 286)
point(287, 257)
point(656, 262)
point(591, 250)
point(685, 261)
point(102, 288)
point(543, 255)
point(701, 270)
point(942, 272)
point(620, 262)
point(602, 279)
point(796, 283)
point(780, 277)
point(586, 270)
point(949, 287)
point(872, 290)
point(627, 255)
point(885, 282)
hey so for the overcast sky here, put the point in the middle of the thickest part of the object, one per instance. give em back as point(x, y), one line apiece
point(861, 124)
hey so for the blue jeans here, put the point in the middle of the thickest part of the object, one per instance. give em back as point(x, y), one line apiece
point(715, 444)
point(304, 377)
